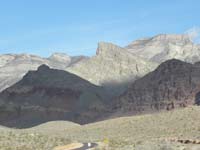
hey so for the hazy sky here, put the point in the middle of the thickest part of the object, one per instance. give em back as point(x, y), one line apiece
point(76, 26)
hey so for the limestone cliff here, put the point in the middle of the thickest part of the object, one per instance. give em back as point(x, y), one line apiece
point(166, 46)
point(112, 66)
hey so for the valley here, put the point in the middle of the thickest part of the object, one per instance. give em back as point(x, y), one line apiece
point(123, 98)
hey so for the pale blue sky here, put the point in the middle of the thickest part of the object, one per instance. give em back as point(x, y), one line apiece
point(76, 26)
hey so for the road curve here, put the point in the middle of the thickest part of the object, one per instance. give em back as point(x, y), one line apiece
point(85, 146)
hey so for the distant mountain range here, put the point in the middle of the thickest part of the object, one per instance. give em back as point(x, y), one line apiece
point(151, 74)
point(14, 66)
point(111, 65)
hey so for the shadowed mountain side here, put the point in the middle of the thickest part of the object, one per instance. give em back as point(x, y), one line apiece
point(50, 94)
point(173, 84)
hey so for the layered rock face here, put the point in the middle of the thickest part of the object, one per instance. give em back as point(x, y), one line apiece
point(112, 66)
point(166, 46)
point(49, 94)
point(13, 67)
point(173, 84)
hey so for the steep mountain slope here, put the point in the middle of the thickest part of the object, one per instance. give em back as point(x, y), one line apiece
point(13, 67)
point(166, 46)
point(112, 66)
point(49, 94)
point(173, 84)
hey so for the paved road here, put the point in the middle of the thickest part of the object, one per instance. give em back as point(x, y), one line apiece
point(85, 146)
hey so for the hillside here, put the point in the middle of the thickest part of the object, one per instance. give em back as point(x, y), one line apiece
point(172, 85)
point(50, 94)
point(112, 66)
point(144, 132)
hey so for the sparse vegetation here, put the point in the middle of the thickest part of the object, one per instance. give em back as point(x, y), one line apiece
point(145, 132)
point(16, 140)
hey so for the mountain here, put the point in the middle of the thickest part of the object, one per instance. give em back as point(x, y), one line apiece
point(166, 46)
point(172, 85)
point(112, 66)
point(50, 94)
point(14, 66)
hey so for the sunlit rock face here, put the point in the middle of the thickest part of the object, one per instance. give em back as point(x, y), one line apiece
point(14, 66)
point(166, 46)
point(172, 85)
point(112, 66)
point(59, 60)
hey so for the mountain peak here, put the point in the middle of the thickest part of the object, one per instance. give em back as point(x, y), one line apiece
point(61, 57)
point(105, 48)
point(169, 38)
point(172, 38)
point(173, 65)
point(166, 46)
point(43, 67)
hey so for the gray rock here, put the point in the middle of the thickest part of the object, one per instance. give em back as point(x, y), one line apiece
point(112, 66)
point(14, 66)
point(166, 46)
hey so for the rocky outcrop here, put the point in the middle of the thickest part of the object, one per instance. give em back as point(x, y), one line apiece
point(50, 94)
point(173, 84)
point(166, 46)
point(13, 67)
point(112, 66)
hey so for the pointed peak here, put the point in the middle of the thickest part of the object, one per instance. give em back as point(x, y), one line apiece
point(106, 48)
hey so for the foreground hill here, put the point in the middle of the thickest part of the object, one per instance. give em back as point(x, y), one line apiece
point(173, 84)
point(144, 132)
point(14, 66)
point(50, 94)
point(166, 46)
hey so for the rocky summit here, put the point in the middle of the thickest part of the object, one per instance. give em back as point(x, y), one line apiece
point(166, 46)
point(50, 94)
point(172, 85)
point(112, 66)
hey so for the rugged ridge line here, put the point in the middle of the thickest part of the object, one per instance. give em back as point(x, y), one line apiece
point(172, 85)
point(14, 66)
point(166, 46)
